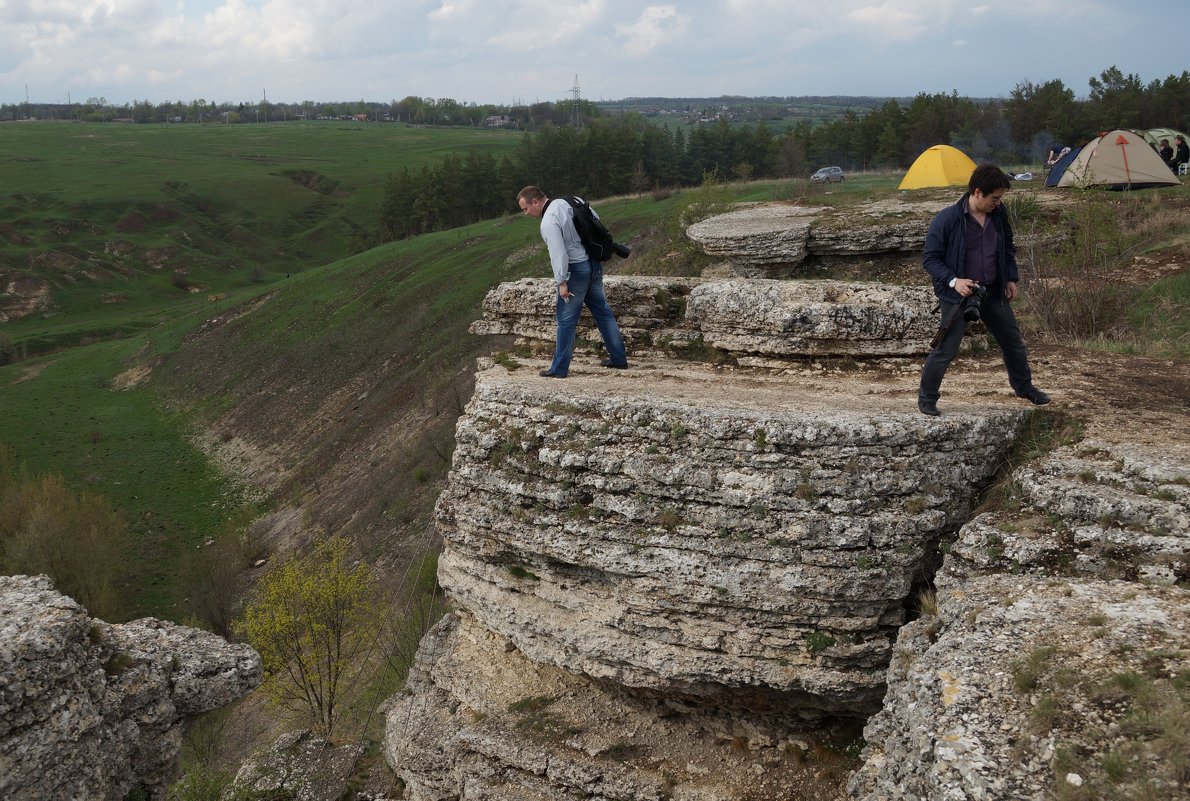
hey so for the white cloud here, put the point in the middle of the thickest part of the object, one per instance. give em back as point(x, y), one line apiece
point(655, 26)
point(500, 50)
point(892, 21)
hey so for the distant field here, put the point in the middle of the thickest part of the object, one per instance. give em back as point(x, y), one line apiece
point(120, 223)
point(76, 163)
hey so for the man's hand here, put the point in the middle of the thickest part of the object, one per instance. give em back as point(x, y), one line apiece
point(564, 291)
point(1010, 290)
point(965, 286)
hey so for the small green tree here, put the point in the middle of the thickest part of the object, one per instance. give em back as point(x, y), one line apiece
point(314, 621)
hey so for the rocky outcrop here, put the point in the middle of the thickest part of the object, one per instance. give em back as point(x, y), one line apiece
point(751, 322)
point(90, 710)
point(1095, 509)
point(482, 721)
point(1055, 655)
point(668, 579)
point(774, 240)
point(300, 765)
point(742, 543)
point(1020, 688)
point(21, 294)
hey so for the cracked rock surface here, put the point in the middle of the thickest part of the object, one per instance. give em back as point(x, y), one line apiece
point(90, 710)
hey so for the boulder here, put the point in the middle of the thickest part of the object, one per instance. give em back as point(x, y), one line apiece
point(92, 710)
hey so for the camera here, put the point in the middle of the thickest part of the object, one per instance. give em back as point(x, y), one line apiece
point(971, 303)
point(623, 251)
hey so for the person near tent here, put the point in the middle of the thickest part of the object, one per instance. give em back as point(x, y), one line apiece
point(970, 257)
point(1056, 152)
point(1166, 154)
point(1181, 153)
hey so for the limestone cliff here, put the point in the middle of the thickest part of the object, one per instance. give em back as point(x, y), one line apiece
point(680, 581)
point(1056, 661)
point(672, 580)
point(90, 710)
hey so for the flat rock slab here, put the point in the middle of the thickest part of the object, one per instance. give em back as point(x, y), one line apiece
point(747, 542)
point(773, 240)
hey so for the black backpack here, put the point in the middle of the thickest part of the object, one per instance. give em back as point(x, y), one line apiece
point(596, 239)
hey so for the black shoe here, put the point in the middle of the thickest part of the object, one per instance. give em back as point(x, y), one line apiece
point(1034, 396)
point(550, 374)
point(928, 407)
point(609, 363)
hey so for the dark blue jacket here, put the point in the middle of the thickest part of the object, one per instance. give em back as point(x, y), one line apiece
point(945, 253)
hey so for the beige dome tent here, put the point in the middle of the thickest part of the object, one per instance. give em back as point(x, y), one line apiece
point(940, 165)
point(1154, 135)
point(1118, 159)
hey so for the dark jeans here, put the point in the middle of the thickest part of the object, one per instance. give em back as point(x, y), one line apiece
point(586, 286)
point(997, 315)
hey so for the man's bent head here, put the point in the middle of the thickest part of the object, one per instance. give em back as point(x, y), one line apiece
point(531, 200)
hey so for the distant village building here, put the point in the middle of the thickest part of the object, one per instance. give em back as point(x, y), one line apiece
point(499, 121)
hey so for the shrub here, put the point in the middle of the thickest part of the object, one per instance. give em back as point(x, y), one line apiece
point(46, 527)
point(8, 349)
point(1071, 278)
point(314, 621)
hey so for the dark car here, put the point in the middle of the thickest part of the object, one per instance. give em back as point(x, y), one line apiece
point(828, 175)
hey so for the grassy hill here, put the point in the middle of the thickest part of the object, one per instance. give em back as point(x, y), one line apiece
point(334, 389)
point(118, 224)
point(327, 394)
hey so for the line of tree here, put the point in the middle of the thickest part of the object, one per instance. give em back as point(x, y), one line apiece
point(626, 153)
point(1114, 99)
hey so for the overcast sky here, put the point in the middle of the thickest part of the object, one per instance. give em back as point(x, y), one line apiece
point(506, 51)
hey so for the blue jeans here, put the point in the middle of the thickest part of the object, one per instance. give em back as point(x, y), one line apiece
point(586, 286)
point(997, 315)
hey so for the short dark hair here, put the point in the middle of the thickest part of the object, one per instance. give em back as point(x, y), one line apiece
point(987, 178)
point(529, 194)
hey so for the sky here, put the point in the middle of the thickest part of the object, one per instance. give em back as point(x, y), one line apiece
point(526, 51)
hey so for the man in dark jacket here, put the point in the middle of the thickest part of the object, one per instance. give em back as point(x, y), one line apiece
point(968, 246)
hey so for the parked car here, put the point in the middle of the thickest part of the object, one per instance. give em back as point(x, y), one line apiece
point(828, 175)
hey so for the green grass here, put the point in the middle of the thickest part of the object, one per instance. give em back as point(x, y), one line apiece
point(105, 213)
point(129, 447)
point(406, 305)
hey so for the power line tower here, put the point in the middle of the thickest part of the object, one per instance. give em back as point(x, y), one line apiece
point(576, 108)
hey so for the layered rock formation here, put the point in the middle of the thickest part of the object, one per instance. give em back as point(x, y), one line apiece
point(756, 322)
point(737, 541)
point(687, 566)
point(774, 240)
point(1055, 661)
point(668, 579)
point(90, 710)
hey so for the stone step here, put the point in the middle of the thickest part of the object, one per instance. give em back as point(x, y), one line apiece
point(747, 321)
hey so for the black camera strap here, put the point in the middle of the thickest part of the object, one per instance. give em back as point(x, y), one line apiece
point(948, 320)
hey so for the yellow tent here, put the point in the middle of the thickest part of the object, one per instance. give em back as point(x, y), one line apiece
point(940, 165)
